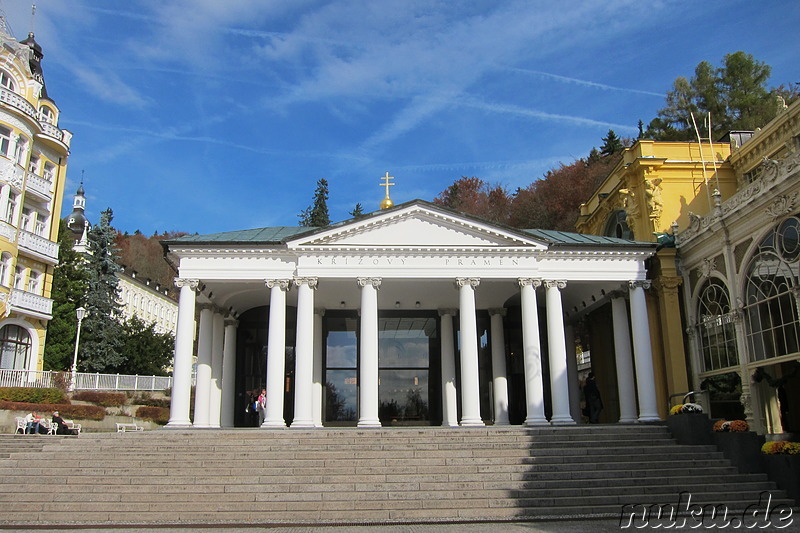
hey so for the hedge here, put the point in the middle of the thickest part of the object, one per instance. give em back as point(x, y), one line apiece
point(159, 415)
point(105, 399)
point(32, 395)
point(84, 412)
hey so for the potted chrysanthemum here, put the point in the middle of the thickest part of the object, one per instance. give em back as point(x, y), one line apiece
point(689, 424)
point(739, 445)
point(781, 461)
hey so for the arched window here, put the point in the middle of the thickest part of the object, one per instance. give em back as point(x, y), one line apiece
point(47, 115)
point(617, 226)
point(7, 81)
point(771, 314)
point(15, 347)
point(715, 322)
point(5, 269)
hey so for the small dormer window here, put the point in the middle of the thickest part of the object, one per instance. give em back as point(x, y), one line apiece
point(7, 81)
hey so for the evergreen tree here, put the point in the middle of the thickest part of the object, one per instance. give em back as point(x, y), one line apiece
point(316, 215)
point(146, 351)
point(358, 211)
point(69, 289)
point(611, 144)
point(102, 334)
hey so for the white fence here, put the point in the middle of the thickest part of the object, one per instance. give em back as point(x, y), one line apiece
point(84, 381)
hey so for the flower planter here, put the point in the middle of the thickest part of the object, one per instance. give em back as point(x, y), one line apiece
point(742, 449)
point(690, 428)
point(784, 470)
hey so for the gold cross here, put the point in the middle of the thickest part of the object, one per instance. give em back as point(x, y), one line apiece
point(386, 183)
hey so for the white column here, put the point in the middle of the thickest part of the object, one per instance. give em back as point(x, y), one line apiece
point(319, 379)
point(202, 388)
point(572, 374)
point(449, 391)
point(559, 386)
point(276, 352)
point(642, 351)
point(623, 358)
point(470, 379)
point(499, 374)
point(304, 354)
point(229, 373)
point(184, 343)
point(368, 368)
point(532, 353)
point(215, 395)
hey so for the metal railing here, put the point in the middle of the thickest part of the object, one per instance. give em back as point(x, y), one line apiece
point(84, 380)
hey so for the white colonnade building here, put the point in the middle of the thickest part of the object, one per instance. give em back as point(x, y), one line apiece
point(413, 315)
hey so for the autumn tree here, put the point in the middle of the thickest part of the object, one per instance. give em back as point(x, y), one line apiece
point(316, 215)
point(476, 197)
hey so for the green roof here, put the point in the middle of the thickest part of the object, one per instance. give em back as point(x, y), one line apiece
point(274, 235)
point(567, 238)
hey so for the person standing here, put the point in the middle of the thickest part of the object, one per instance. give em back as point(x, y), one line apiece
point(261, 406)
point(592, 396)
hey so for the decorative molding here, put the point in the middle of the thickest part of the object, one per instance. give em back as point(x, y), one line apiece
point(640, 284)
point(705, 269)
point(375, 282)
point(652, 194)
point(559, 284)
point(448, 311)
point(312, 282)
point(534, 282)
point(472, 282)
point(192, 283)
point(781, 206)
point(282, 284)
point(502, 311)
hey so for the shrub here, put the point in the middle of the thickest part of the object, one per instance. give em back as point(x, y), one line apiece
point(85, 412)
point(685, 408)
point(105, 399)
point(159, 415)
point(720, 425)
point(773, 446)
point(32, 395)
point(738, 426)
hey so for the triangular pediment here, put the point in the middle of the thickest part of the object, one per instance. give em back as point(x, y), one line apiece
point(417, 226)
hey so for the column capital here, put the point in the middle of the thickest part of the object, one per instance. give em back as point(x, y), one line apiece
point(533, 282)
point(319, 311)
point(192, 283)
point(282, 284)
point(206, 307)
point(230, 321)
point(555, 284)
point(497, 311)
point(375, 282)
point(310, 281)
point(472, 282)
point(619, 293)
point(447, 311)
point(639, 284)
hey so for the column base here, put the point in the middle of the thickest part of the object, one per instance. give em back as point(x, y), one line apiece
point(536, 422)
point(302, 424)
point(627, 421)
point(369, 424)
point(179, 424)
point(562, 421)
point(467, 422)
point(273, 424)
point(651, 418)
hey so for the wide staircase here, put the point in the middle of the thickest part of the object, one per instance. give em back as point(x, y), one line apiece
point(353, 475)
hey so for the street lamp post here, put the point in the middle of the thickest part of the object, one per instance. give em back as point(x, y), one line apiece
point(80, 313)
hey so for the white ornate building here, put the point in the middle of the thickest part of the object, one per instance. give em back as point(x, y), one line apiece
point(741, 268)
point(414, 314)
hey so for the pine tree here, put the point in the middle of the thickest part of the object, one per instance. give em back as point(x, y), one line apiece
point(611, 144)
point(102, 334)
point(70, 282)
point(317, 214)
point(358, 211)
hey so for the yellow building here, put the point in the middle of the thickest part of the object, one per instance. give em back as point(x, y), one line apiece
point(652, 191)
point(33, 163)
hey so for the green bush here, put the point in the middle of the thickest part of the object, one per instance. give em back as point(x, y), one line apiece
point(84, 412)
point(105, 399)
point(32, 395)
point(159, 415)
point(154, 402)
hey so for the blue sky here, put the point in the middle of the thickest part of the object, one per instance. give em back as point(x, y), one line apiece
point(208, 115)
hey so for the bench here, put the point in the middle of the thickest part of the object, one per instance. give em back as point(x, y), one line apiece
point(21, 425)
point(122, 428)
point(76, 428)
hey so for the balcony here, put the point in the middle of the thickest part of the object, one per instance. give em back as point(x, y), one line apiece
point(41, 247)
point(48, 130)
point(32, 304)
point(7, 231)
point(42, 187)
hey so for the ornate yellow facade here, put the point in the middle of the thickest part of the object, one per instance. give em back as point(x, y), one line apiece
point(33, 163)
point(647, 197)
